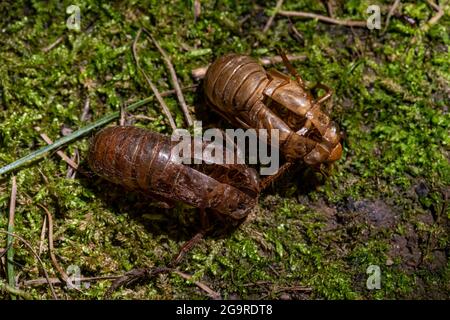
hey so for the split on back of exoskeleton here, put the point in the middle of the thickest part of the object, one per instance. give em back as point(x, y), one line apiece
point(305, 115)
point(239, 89)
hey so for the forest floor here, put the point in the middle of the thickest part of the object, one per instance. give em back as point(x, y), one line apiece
point(384, 204)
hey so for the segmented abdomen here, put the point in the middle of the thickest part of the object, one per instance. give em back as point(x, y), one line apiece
point(143, 160)
point(129, 156)
point(235, 81)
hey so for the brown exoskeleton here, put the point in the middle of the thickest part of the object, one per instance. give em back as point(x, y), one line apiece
point(239, 89)
point(145, 161)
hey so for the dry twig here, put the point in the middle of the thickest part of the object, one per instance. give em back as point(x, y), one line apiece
point(122, 119)
point(174, 78)
point(133, 276)
point(151, 84)
point(197, 9)
point(85, 113)
point(270, 21)
point(138, 274)
point(434, 5)
point(437, 16)
point(296, 34)
point(300, 14)
point(55, 262)
point(211, 293)
point(10, 251)
point(71, 172)
point(54, 44)
point(142, 117)
point(330, 8)
point(390, 13)
point(41, 242)
point(59, 152)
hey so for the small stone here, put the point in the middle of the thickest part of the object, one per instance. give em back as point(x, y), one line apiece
point(389, 262)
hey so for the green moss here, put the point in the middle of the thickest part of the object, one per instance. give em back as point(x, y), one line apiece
point(391, 100)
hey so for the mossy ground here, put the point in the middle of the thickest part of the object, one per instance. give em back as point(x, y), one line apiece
point(382, 205)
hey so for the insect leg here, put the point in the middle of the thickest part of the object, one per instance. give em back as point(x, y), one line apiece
point(291, 68)
point(185, 248)
point(188, 245)
point(149, 273)
point(270, 179)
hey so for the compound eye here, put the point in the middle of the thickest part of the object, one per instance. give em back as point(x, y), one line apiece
point(332, 134)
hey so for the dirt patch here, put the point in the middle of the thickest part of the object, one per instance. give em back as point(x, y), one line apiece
point(437, 262)
point(328, 213)
point(405, 249)
point(375, 213)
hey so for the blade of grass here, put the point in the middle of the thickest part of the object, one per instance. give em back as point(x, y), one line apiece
point(71, 137)
point(35, 155)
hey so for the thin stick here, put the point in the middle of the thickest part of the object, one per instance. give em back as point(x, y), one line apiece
point(390, 13)
point(142, 117)
point(434, 5)
point(37, 257)
point(59, 152)
point(199, 73)
point(300, 14)
point(41, 242)
point(51, 248)
point(197, 9)
point(330, 8)
point(174, 79)
point(211, 293)
point(54, 44)
point(438, 16)
point(14, 291)
point(133, 276)
point(85, 113)
point(71, 172)
point(294, 288)
point(297, 35)
point(270, 21)
point(151, 84)
point(10, 252)
point(122, 116)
